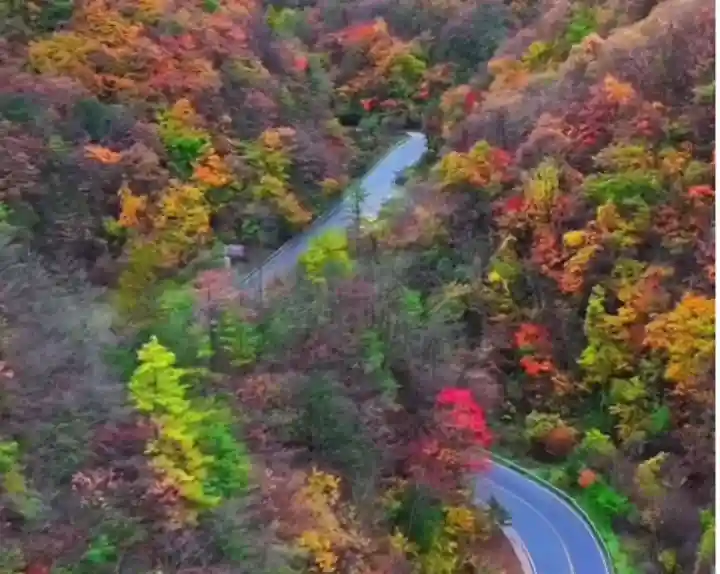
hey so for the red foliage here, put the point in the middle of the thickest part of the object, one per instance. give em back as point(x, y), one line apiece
point(423, 93)
point(501, 160)
point(513, 204)
point(701, 192)
point(456, 444)
point(470, 101)
point(368, 104)
point(300, 64)
point(359, 33)
point(531, 336)
point(465, 414)
point(586, 478)
point(535, 367)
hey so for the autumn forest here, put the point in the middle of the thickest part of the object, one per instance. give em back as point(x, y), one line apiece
point(541, 291)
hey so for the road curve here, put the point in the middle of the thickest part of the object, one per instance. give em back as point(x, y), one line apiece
point(557, 538)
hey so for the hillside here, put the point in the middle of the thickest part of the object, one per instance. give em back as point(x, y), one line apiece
point(545, 289)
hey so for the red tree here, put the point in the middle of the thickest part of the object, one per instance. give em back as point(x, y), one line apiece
point(456, 444)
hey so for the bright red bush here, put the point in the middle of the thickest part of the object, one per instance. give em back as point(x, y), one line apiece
point(463, 414)
point(531, 336)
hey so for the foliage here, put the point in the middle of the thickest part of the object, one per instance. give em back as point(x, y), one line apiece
point(687, 334)
point(201, 475)
point(457, 442)
point(706, 549)
point(556, 270)
point(13, 484)
point(376, 363)
point(328, 423)
point(239, 338)
point(483, 168)
point(438, 538)
point(327, 254)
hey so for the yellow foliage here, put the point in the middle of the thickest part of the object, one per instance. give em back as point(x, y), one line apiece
point(273, 138)
point(618, 92)
point(291, 208)
point(648, 476)
point(131, 208)
point(459, 520)
point(687, 335)
point(543, 186)
point(673, 162)
point(149, 10)
point(510, 74)
point(157, 389)
point(608, 217)
point(181, 222)
point(183, 113)
point(574, 239)
point(475, 168)
point(401, 544)
point(320, 497)
point(321, 549)
point(99, 20)
point(270, 161)
point(64, 53)
point(213, 172)
point(330, 187)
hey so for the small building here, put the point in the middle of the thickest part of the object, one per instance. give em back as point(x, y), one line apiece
point(234, 253)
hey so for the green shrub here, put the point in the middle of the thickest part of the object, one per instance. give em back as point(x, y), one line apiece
point(625, 189)
point(583, 22)
point(604, 503)
point(12, 560)
point(229, 469)
point(327, 253)
point(328, 424)
point(375, 363)
point(538, 425)
point(240, 340)
point(597, 443)
point(420, 517)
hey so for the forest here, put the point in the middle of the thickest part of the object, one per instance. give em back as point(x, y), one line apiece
point(543, 289)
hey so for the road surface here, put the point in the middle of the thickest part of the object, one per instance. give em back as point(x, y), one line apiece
point(557, 538)
point(378, 185)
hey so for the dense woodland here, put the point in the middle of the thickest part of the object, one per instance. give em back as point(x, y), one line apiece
point(544, 290)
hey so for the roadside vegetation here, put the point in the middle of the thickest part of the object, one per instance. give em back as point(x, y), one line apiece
point(545, 288)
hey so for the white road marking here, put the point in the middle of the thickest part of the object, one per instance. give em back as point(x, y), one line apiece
point(519, 546)
point(542, 517)
point(573, 511)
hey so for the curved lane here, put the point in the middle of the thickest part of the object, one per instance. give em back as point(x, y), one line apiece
point(557, 538)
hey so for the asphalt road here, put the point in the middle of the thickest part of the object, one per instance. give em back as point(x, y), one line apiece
point(557, 538)
point(378, 186)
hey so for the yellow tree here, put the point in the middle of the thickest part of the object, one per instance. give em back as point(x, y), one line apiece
point(270, 161)
point(180, 223)
point(328, 251)
point(686, 336)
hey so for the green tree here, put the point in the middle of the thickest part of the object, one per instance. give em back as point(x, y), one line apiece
point(327, 254)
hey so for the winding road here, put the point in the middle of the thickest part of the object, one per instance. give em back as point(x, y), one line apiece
point(557, 539)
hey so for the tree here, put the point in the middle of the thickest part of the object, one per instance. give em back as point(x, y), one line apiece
point(456, 443)
point(327, 255)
